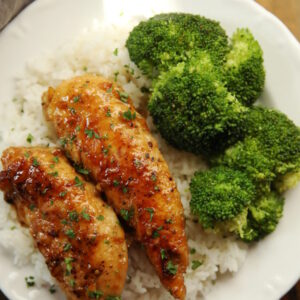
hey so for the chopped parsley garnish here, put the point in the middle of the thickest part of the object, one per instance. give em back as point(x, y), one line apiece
point(72, 110)
point(62, 194)
point(13, 227)
point(108, 113)
point(113, 298)
point(63, 142)
point(95, 294)
point(54, 174)
point(151, 212)
point(153, 177)
point(163, 254)
point(116, 76)
point(169, 221)
point(68, 262)
point(192, 251)
point(35, 163)
point(126, 214)
point(171, 268)
point(76, 99)
point(116, 182)
point(26, 154)
point(196, 264)
point(77, 128)
point(67, 247)
point(106, 242)
point(30, 281)
point(78, 182)
point(52, 289)
point(116, 52)
point(85, 215)
point(155, 233)
point(56, 159)
point(84, 68)
point(124, 189)
point(105, 151)
point(81, 170)
point(73, 216)
point(156, 188)
point(29, 138)
point(70, 233)
point(123, 96)
point(100, 218)
point(128, 115)
point(44, 191)
point(72, 282)
point(64, 221)
point(32, 207)
point(109, 90)
point(91, 133)
point(51, 202)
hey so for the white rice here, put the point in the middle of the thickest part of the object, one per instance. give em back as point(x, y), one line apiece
point(92, 52)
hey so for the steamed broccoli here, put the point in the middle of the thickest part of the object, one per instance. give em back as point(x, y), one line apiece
point(279, 137)
point(244, 72)
point(220, 194)
point(193, 110)
point(270, 154)
point(224, 200)
point(247, 156)
point(166, 39)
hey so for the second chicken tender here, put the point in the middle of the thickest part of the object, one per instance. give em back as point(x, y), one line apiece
point(77, 233)
point(100, 130)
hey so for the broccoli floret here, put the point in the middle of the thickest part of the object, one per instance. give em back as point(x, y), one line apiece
point(224, 200)
point(193, 110)
point(264, 214)
point(244, 72)
point(270, 154)
point(247, 156)
point(280, 142)
point(220, 194)
point(166, 39)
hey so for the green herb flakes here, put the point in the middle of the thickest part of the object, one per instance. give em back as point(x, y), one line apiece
point(127, 214)
point(73, 216)
point(29, 138)
point(85, 215)
point(128, 115)
point(67, 247)
point(30, 281)
point(100, 218)
point(52, 289)
point(171, 268)
point(196, 264)
point(76, 99)
point(151, 212)
point(70, 233)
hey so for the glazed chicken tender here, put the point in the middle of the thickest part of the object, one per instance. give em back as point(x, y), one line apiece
point(101, 131)
point(77, 233)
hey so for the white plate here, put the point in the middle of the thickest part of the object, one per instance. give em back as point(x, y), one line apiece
point(273, 265)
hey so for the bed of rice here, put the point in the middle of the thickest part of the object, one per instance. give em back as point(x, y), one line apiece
point(92, 51)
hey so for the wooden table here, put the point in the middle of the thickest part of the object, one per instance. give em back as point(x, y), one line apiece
point(288, 11)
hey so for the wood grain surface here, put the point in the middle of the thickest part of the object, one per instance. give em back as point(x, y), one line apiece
point(288, 11)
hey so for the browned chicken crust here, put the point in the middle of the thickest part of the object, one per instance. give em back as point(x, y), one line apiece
point(77, 233)
point(100, 130)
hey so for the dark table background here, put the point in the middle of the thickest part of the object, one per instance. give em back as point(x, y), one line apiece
point(286, 10)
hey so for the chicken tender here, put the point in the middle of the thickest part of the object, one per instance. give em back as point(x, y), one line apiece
point(100, 130)
point(77, 233)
